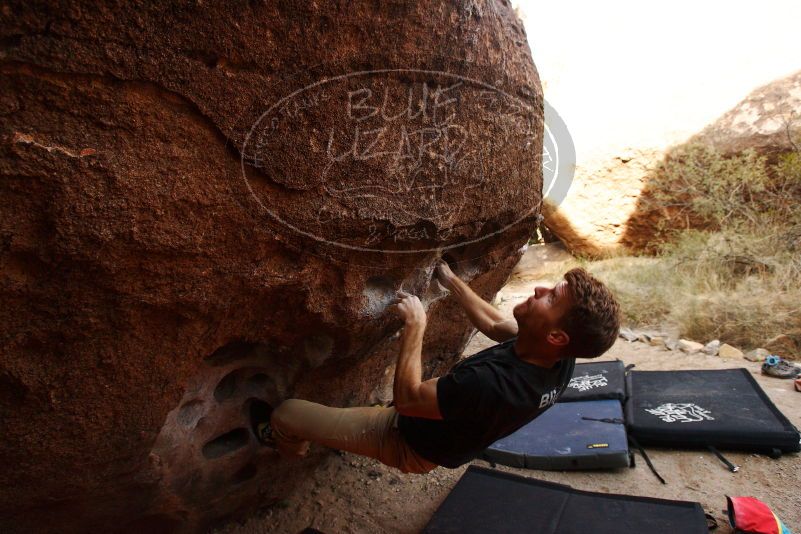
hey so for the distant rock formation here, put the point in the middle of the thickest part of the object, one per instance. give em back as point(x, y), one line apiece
point(208, 204)
point(768, 122)
point(765, 120)
point(604, 214)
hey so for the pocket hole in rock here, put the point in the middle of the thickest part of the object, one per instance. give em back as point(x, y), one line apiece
point(226, 443)
point(247, 472)
point(258, 384)
point(450, 260)
point(258, 411)
point(226, 387)
point(464, 261)
point(317, 349)
point(190, 413)
point(12, 389)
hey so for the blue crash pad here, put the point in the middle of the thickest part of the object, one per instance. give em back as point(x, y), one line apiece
point(561, 439)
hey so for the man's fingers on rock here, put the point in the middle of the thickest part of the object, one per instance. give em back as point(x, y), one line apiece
point(444, 270)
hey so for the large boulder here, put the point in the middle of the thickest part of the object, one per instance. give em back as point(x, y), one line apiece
point(205, 204)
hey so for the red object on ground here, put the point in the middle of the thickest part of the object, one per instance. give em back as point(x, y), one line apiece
point(750, 515)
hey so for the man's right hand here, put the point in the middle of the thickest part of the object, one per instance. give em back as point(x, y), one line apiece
point(445, 275)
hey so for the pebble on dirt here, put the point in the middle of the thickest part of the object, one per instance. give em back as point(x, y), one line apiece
point(729, 352)
point(757, 355)
point(690, 347)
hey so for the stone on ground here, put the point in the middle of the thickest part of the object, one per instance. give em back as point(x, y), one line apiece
point(729, 352)
point(756, 355)
point(712, 347)
point(690, 347)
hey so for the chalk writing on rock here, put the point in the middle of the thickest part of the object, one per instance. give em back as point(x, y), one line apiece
point(399, 157)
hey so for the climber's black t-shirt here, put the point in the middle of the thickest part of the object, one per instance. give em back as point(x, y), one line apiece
point(482, 399)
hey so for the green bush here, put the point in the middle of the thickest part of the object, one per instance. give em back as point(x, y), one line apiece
point(697, 187)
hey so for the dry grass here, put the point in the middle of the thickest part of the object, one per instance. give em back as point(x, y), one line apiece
point(704, 292)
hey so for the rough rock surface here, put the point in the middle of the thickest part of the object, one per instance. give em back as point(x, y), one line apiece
point(604, 212)
point(194, 215)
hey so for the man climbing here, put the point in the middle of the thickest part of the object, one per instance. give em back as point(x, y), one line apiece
point(450, 420)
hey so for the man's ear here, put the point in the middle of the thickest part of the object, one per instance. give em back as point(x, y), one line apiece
point(558, 338)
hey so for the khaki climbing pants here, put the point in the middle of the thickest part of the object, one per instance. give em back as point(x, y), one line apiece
point(369, 432)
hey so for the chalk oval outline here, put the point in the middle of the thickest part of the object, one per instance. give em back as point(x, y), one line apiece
point(365, 73)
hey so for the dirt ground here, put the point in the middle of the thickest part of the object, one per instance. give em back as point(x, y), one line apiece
point(351, 494)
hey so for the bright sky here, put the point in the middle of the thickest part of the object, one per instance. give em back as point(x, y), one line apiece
point(649, 74)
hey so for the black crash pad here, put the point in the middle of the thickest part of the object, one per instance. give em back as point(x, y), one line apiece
point(486, 500)
point(723, 408)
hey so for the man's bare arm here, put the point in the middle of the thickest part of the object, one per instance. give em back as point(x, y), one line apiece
point(412, 396)
point(484, 316)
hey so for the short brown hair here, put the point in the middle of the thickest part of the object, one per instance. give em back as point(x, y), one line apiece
point(593, 322)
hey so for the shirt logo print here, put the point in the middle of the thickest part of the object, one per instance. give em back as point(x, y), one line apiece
point(548, 399)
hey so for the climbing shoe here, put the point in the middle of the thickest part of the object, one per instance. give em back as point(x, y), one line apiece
point(780, 368)
point(260, 423)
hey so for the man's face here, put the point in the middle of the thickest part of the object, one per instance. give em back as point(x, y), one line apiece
point(542, 312)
